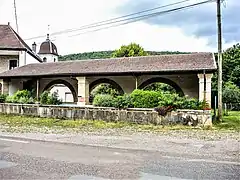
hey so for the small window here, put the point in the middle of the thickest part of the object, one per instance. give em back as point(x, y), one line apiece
point(13, 64)
point(44, 59)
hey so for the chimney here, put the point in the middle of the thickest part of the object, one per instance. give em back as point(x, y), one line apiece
point(8, 23)
point(34, 47)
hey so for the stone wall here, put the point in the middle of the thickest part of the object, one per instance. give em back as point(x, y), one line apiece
point(134, 115)
point(4, 61)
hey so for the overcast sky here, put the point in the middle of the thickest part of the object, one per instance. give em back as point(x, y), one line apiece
point(189, 30)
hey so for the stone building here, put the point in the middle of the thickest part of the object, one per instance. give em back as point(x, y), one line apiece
point(14, 52)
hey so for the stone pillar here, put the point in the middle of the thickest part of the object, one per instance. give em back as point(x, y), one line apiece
point(209, 88)
point(83, 91)
point(4, 86)
point(207, 93)
point(201, 87)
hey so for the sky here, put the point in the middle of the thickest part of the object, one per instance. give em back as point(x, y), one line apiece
point(188, 30)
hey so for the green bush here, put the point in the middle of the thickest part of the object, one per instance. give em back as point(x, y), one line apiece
point(123, 102)
point(145, 99)
point(148, 99)
point(47, 98)
point(104, 100)
point(188, 103)
point(231, 93)
point(3, 98)
point(23, 97)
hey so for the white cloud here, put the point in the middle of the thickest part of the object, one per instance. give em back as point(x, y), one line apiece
point(34, 17)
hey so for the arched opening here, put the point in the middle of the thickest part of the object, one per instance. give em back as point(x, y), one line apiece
point(104, 86)
point(161, 84)
point(64, 89)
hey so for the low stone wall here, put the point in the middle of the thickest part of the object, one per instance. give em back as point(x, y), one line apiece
point(134, 115)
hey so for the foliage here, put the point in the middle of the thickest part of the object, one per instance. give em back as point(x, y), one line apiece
point(108, 54)
point(130, 50)
point(231, 93)
point(230, 66)
point(105, 89)
point(47, 98)
point(3, 98)
point(104, 100)
point(230, 122)
point(44, 97)
point(174, 100)
point(145, 99)
point(149, 99)
point(160, 87)
point(23, 97)
point(123, 102)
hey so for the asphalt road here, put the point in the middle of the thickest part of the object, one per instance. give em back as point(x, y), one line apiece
point(23, 159)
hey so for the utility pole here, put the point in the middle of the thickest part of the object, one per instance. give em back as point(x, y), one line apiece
point(219, 30)
point(16, 18)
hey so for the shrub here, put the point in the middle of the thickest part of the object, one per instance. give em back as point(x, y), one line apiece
point(123, 102)
point(3, 98)
point(104, 100)
point(181, 102)
point(23, 97)
point(231, 93)
point(47, 98)
point(44, 97)
point(54, 99)
point(145, 99)
point(189, 103)
point(10, 99)
point(22, 93)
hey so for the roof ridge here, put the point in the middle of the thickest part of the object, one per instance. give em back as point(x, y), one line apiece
point(134, 57)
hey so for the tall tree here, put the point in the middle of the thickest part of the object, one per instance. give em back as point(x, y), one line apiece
point(130, 50)
point(231, 65)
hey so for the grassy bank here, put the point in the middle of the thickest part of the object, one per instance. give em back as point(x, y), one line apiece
point(13, 123)
point(230, 121)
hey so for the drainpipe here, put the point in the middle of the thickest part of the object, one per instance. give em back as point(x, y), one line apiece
point(37, 90)
point(204, 95)
point(136, 82)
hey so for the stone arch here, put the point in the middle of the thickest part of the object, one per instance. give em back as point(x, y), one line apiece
point(107, 81)
point(162, 80)
point(61, 81)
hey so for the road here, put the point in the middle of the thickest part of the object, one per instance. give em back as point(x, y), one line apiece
point(30, 159)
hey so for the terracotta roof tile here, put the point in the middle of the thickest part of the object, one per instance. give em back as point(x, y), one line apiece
point(144, 64)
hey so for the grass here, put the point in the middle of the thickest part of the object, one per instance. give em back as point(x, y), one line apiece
point(11, 122)
point(230, 121)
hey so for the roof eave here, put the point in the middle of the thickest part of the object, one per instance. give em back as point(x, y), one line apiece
point(13, 49)
point(138, 73)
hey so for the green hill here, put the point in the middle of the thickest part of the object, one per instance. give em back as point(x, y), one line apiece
point(107, 54)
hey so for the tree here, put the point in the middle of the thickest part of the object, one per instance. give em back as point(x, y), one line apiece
point(231, 93)
point(231, 67)
point(130, 50)
point(231, 64)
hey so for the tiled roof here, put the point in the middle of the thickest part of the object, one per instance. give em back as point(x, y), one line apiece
point(115, 66)
point(10, 40)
